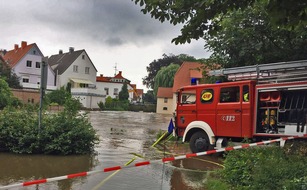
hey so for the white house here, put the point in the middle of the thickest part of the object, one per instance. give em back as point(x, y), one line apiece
point(25, 61)
point(113, 85)
point(75, 68)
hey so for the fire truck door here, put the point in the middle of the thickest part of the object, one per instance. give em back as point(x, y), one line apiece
point(229, 112)
point(186, 112)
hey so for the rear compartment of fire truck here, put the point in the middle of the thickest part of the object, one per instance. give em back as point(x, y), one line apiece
point(281, 95)
point(282, 112)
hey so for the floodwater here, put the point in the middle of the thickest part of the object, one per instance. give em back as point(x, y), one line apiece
point(123, 136)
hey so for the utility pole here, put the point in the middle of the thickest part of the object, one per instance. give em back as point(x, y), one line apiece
point(43, 85)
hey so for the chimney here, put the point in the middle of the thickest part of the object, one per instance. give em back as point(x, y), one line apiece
point(71, 49)
point(4, 52)
point(60, 51)
point(120, 73)
point(101, 75)
point(16, 47)
point(23, 44)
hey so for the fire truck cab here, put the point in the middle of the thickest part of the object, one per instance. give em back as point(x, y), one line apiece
point(268, 106)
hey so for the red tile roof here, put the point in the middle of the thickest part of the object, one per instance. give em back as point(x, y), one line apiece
point(119, 75)
point(12, 57)
point(165, 92)
point(103, 79)
point(185, 73)
point(140, 92)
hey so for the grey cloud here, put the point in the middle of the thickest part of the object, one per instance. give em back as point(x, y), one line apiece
point(111, 22)
point(114, 41)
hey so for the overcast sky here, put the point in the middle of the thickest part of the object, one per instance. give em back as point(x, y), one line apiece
point(111, 31)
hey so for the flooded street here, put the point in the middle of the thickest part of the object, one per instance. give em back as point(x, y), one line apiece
point(124, 136)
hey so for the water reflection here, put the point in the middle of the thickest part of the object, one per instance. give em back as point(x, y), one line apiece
point(20, 168)
point(122, 135)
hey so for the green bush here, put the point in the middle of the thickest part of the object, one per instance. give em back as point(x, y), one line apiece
point(114, 104)
point(142, 107)
point(65, 132)
point(18, 131)
point(58, 96)
point(263, 168)
point(62, 134)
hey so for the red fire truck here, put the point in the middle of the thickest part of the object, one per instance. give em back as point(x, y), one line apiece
point(261, 101)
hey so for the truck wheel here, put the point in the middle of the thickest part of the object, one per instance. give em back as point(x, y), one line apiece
point(199, 142)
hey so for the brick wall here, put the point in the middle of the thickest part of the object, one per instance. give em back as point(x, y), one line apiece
point(27, 96)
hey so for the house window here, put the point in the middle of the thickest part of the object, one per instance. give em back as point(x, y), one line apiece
point(115, 91)
point(38, 65)
point(34, 52)
point(83, 56)
point(75, 68)
point(83, 85)
point(25, 80)
point(29, 63)
point(107, 91)
point(87, 70)
point(165, 100)
point(165, 108)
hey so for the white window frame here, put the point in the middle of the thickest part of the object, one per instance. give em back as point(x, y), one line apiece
point(87, 70)
point(25, 78)
point(29, 62)
point(38, 64)
point(75, 68)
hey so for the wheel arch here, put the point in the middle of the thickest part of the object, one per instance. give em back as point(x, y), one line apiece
point(195, 126)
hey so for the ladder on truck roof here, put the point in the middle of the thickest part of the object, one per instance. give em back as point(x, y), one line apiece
point(264, 73)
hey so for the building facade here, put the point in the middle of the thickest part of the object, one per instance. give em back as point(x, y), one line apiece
point(189, 73)
point(26, 61)
point(75, 69)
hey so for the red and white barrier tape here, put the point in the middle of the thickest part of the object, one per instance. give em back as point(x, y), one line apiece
point(145, 163)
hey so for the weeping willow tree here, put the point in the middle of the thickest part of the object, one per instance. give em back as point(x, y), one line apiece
point(165, 77)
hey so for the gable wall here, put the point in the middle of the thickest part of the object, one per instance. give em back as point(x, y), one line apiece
point(81, 63)
point(33, 73)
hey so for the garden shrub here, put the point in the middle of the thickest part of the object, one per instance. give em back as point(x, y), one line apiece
point(263, 168)
point(63, 134)
point(114, 104)
point(66, 132)
point(18, 130)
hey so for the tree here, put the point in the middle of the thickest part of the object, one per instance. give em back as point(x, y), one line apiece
point(156, 65)
point(58, 96)
point(124, 94)
point(11, 78)
point(149, 97)
point(200, 16)
point(165, 77)
point(239, 32)
point(5, 94)
point(246, 37)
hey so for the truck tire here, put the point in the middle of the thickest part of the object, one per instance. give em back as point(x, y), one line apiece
point(199, 142)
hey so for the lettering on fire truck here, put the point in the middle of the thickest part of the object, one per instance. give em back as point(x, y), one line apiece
point(228, 118)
